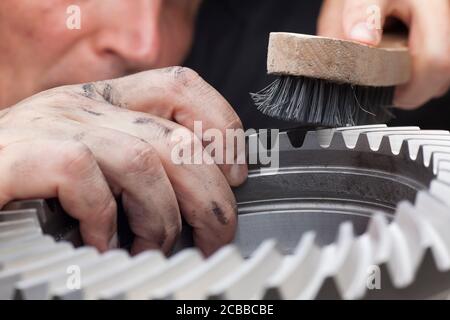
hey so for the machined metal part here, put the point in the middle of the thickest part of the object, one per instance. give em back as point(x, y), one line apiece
point(350, 213)
point(49, 215)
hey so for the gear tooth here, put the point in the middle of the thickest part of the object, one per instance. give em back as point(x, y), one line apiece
point(19, 247)
point(248, 282)
point(50, 216)
point(18, 234)
point(406, 151)
point(324, 137)
point(11, 214)
point(429, 276)
point(342, 248)
point(415, 147)
point(397, 138)
point(362, 143)
point(386, 285)
point(344, 240)
point(97, 268)
point(351, 138)
point(35, 288)
point(194, 285)
point(437, 216)
point(338, 142)
point(440, 161)
point(284, 142)
point(427, 279)
point(429, 151)
point(381, 244)
point(443, 164)
point(314, 141)
point(351, 277)
point(374, 134)
point(411, 254)
point(427, 147)
point(409, 244)
point(378, 231)
point(385, 146)
point(375, 138)
point(421, 157)
point(148, 276)
point(397, 263)
point(15, 266)
point(434, 153)
point(362, 128)
point(397, 143)
point(297, 273)
point(441, 189)
point(444, 175)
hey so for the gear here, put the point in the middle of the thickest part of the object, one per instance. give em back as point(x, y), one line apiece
point(351, 213)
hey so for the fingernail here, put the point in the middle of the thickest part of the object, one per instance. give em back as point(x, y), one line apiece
point(362, 33)
point(114, 242)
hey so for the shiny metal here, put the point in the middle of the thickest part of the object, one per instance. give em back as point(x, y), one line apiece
point(351, 213)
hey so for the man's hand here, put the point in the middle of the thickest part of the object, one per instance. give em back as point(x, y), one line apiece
point(86, 144)
point(429, 39)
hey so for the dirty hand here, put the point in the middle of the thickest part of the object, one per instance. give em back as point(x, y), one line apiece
point(429, 39)
point(87, 144)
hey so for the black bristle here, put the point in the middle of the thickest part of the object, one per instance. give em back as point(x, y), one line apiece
point(323, 103)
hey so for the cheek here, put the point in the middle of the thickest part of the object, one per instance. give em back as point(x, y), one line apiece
point(40, 27)
point(50, 34)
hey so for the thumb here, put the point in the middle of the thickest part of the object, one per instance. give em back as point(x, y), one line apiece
point(363, 20)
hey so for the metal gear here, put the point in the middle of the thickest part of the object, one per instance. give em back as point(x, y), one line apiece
point(351, 213)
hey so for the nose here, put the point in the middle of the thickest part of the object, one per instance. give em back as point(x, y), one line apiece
point(131, 31)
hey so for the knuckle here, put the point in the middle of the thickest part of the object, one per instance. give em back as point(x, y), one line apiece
point(49, 97)
point(183, 135)
point(233, 120)
point(76, 158)
point(182, 76)
point(102, 91)
point(59, 98)
point(142, 157)
point(183, 138)
point(61, 90)
point(59, 93)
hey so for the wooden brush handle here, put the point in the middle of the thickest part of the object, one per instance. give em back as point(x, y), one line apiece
point(339, 60)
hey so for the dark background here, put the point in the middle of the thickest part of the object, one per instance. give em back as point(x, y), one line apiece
point(230, 51)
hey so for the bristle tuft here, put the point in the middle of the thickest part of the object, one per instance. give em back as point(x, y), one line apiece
point(324, 103)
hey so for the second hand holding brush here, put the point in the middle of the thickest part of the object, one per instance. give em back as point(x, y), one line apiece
point(330, 82)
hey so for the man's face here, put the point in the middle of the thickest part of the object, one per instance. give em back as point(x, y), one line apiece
point(38, 51)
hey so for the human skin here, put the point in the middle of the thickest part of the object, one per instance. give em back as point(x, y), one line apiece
point(87, 144)
point(117, 37)
point(90, 143)
point(429, 40)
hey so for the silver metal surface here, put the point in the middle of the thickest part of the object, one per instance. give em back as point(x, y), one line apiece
point(351, 213)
